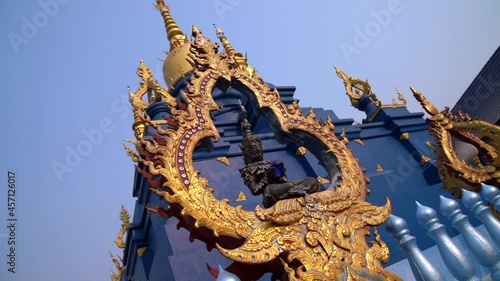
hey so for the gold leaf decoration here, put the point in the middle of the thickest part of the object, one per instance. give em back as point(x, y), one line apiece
point(359, 141)
point(379, 168)
point(301, 151)
point(424, 160)
point(141, 251)
point(224, 160)
point(241, 197)
point(404, 136)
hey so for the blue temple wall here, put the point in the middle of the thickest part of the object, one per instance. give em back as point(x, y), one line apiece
point(172, 255)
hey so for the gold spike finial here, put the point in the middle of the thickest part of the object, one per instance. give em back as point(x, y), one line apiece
point(241, 61)
point(174, 33)
point(225, 43)
point(179, 48)
point(139, 126)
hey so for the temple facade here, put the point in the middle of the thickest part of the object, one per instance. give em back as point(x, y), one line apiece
point(165, 242)
point(481, 99)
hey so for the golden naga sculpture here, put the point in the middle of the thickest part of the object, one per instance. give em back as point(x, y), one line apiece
point(320, 236)
point(125, 218)
point(117, 276)
point(357, 88)
point(459, 173)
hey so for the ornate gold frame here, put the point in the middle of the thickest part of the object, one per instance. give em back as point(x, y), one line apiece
point(321, 236)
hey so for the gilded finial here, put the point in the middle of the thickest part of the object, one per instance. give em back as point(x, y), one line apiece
point(329, 124)
point(139, 126)
point(174, 33)
point(241, 61)
point(345, 140)
point(311, 115)
point(225, 43)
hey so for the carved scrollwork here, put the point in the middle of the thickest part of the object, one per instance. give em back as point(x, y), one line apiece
point(457, 173)
point(323, 234)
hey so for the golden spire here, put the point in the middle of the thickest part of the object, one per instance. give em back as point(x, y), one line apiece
point(427, 105)
point(175, 65)
point(241, 61)
point(227, 46)
point(174, 33)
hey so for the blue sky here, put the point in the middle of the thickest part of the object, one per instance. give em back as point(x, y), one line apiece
point(66, 66)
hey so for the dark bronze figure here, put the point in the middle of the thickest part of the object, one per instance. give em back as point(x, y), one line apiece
point(266, 177)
